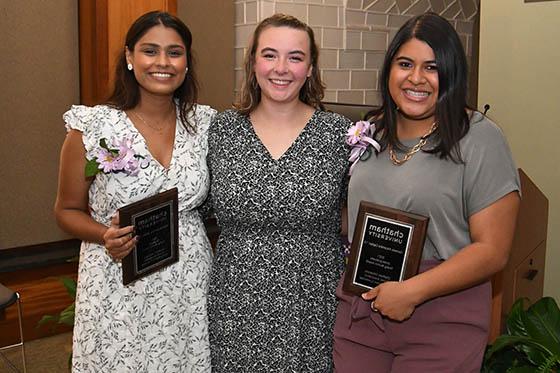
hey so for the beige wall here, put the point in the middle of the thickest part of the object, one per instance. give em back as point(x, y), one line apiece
point(39, 80)
point(352, 35)
point(211, 23)
point(519, 77)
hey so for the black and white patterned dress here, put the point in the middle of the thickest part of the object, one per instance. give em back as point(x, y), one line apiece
point(158, 323)
point(278, 259)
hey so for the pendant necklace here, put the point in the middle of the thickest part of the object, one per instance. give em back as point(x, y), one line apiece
point(155, 128)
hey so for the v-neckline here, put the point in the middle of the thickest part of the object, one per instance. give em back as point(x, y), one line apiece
point(288, 150)
point(131, 124)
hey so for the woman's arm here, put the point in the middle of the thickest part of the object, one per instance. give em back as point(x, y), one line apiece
point(71, 206)
point(491, 231)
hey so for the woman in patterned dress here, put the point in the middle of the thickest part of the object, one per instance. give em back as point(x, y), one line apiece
point(278, 166)
point(157, 323)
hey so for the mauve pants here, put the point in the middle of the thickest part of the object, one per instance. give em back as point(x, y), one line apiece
point(445, 334)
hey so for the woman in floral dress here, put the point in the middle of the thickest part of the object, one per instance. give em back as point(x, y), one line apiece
point(157, 323)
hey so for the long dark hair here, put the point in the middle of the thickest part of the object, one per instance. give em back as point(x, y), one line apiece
point(126, 93)
point(450, 113)
point(312, 91)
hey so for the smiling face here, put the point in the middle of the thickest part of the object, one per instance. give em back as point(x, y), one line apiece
point(414, 82)
point(282, 63)
point(159, 61)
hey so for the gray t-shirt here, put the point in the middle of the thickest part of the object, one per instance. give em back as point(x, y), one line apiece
point(448, 192)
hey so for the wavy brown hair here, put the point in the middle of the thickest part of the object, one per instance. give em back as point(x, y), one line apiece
point(126, 93)
point(312, 91)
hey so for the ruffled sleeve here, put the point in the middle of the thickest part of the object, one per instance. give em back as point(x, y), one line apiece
point(78, 117)
point(89, 121)
point(204, 116)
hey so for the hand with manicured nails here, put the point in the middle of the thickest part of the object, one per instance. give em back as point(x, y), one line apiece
point(119, 241)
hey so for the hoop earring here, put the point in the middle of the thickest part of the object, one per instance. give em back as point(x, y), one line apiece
point(129, 67)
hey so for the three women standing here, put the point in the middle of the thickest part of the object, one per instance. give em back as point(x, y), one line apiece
point(158, 323)
point(278, 167)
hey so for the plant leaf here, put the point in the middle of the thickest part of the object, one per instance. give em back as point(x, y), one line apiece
point(536, 351)
point(547, 366)
point(47, 319)
point(515, 323)
point(526, 343)
point(67, 315)
point(70, 285)
point(523, 369)
point(92, 167)
point(504, 341)
point(103, 144)
point(503, 359)
point(66, 320)
point(544, 323)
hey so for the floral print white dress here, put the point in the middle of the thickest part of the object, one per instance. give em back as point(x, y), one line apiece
point(158, 323)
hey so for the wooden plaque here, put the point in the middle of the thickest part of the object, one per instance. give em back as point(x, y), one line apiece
point(156, 223)
point(387, 246)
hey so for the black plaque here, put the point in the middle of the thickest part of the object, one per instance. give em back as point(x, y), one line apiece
point(155, 220)
point(387, 246)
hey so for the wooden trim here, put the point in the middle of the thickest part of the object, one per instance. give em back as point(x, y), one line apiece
point(101, 51)
point(40, 255)
point(528, 252)
point(171, 6)
point(93, 50)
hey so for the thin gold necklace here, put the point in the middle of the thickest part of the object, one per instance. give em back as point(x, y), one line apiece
point(414, 149)
point(155, 128)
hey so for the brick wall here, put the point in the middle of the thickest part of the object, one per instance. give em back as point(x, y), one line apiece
point(352, 36)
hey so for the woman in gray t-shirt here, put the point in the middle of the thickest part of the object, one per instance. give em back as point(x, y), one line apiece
point(439, 159)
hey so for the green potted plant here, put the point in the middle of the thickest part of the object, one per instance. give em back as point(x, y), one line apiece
point(66, 316)
point(531, 342)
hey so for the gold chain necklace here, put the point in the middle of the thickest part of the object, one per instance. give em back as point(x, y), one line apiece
point(414, 149)
point(155, 128)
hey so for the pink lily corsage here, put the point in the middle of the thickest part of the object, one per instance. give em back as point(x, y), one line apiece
point(120, 157)
point(359, 137)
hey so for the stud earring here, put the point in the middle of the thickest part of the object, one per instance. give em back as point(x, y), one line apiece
point(129, 66)
point(186, 70)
